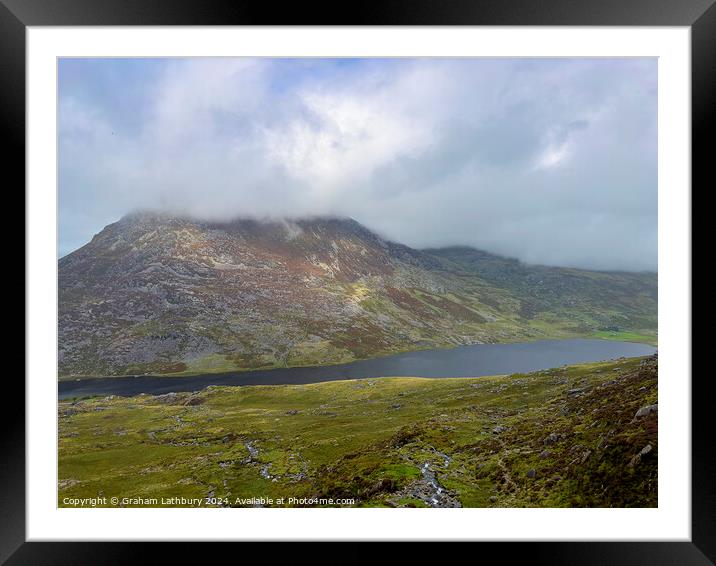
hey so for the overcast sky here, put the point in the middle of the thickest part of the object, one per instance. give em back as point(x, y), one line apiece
point(551, 161)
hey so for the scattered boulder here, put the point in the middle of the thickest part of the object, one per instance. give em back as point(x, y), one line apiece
point(62, 484)
point(553, 438)
point(645, 411)
point(499, 429)
point(531, 473)
point(637, 457)
point(169, 398)
point(544, 454)
point(576, 392)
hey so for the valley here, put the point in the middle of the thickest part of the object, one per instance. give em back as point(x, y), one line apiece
point(165, 295)
point(312, 317)
point(577, 436)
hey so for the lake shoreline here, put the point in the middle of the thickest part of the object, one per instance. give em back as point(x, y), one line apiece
point(606, 336)
point(477, 360)
point(584, 435)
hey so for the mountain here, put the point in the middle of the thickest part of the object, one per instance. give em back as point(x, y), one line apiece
point(163, 294)
point(613, 300)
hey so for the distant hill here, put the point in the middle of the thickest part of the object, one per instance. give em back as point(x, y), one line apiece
point(610, 301)
point(163, 294)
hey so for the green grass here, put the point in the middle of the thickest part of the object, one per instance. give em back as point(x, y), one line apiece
point(624, 336)
point(368, 439)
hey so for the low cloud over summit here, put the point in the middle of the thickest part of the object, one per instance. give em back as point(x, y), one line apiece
point(548, 160)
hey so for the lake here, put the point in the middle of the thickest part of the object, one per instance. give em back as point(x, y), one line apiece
point(464, 361)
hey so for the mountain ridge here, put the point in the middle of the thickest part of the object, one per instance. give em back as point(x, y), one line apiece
point(160, 293)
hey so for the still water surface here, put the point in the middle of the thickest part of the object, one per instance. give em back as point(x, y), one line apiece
point(464, 361)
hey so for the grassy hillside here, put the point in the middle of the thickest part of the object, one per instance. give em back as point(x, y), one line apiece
point(174, 296)
point(612, 305)
point(555, 438)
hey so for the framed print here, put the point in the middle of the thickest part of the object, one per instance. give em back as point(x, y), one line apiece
point(424, 275)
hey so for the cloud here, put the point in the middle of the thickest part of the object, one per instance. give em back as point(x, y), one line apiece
point(548, 160)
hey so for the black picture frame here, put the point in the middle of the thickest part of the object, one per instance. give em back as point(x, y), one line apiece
point(699, 15)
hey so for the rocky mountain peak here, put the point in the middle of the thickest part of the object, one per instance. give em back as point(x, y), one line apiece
point(159, 293)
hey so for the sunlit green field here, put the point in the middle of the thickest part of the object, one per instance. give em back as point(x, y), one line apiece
point(562, 437)
point(626, 336)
